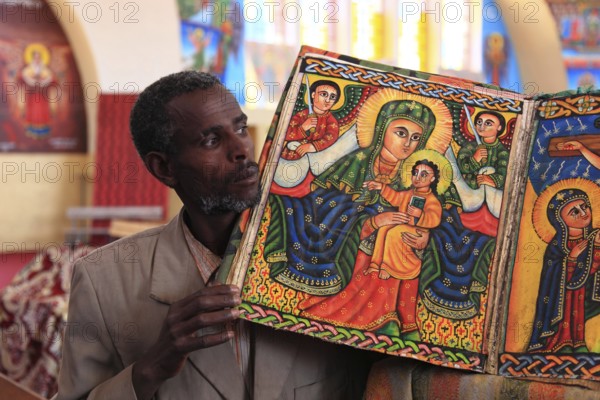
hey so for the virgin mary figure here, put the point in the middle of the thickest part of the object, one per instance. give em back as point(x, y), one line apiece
point(312, 241)
point(569, 292)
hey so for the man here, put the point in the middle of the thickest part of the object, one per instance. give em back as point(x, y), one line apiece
point(156, 325)
point(308, 132)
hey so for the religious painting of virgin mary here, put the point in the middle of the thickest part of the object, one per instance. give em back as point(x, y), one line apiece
point(569, 292)
point(354, 239)
point(552, 314)
point(42, 107)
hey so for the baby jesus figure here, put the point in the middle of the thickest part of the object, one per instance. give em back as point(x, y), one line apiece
point(418, 207)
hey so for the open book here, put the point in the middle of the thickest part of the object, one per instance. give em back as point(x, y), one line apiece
point(428, 217)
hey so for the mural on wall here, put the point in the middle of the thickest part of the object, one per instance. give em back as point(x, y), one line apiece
point(578, 24)
point(212, 40)
point(42, 108)
point(268, 69)
point(499, 57)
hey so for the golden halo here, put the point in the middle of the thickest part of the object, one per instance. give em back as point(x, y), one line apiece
point(313, 78)
point(433, 156)
point(508, 116)
point(36, 47)
point(367, 117)
point(542, 226)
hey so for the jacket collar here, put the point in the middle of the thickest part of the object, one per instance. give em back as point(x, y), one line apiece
point(174, 277)
point(174, 271)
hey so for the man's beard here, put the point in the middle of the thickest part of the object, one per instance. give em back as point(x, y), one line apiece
point(215, 204)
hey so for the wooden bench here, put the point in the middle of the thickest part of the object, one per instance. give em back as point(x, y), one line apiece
point(12, 390)
point(81, 225)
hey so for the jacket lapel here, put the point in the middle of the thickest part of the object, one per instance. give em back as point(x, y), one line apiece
point(174, 277)
point(218, 365)
point(270, 350)
point(174, 272)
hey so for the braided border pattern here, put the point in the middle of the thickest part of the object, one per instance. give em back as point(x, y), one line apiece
point(364, 339)
point(391, 80)
point(582, 366)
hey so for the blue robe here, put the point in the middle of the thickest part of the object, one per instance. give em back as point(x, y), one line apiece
point(455, 268)
point(316, 240)
point(549, 308)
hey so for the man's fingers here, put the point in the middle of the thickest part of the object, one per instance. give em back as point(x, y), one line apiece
point(200, 342)
point(202, 304)
point(207, 299)
point(213, 290)
point(206, 320)
point(218, 289)
point(191, 343)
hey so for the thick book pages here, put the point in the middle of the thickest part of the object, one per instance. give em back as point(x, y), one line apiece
point(390, 212)
point(550, 305)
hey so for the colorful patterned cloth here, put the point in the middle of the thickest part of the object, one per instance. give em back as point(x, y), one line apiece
point(396, 378)
point(33, 310)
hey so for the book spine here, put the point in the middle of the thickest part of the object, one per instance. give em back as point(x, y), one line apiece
point(506, 244)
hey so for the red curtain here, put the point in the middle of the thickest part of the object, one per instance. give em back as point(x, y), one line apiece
point(119, 175)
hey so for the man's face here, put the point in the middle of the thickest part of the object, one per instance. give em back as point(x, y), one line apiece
point(213, 164)
point(324, 97)
point(488, 126)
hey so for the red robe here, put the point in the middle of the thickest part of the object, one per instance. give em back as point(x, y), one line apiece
point(571, 330)
point(324, 135)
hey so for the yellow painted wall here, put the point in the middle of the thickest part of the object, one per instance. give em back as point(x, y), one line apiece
point(116, 51)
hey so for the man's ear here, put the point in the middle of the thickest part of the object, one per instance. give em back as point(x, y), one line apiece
point(159, 165)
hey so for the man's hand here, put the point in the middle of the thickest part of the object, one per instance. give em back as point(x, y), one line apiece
point(200, 320)
point(570, 145)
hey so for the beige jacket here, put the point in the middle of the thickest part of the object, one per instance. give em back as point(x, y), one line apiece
point(120, 296)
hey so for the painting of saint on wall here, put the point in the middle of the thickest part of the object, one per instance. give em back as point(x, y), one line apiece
point(212, 35)
point(42, 109)
point(381, 212)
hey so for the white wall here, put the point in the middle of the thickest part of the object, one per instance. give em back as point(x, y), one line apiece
point(534, 35)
